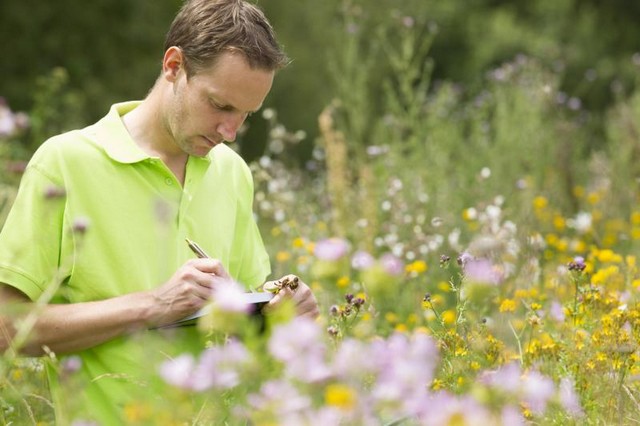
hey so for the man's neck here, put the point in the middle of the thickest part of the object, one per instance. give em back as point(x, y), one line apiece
point(147, 129)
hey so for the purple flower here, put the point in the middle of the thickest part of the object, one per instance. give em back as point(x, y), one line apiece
point(537, 390)
point(177, 371)
point(507, 378)
point(219, 367)
point(512, 416)
point(577, 264)
point(299, 345)
point(556, 311)
point(331, 249)
point(482, 271)
point(228, 297)
point(71, 364)
point(391, 264)
point(362, 260)
point(568, 397)
point(278, 397)
point(463, 258)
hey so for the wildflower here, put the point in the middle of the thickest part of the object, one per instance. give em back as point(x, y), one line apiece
point(343, 281)
point(71, 364)
point(507, 305)
point(556, 311)
point(53, 192)
point(444, 260)
point(298, 344)
point(219, 367)
point(463, 258)
point(331, 249)
point(391, 264)
point(568, 397)
point(537, 390)
point(177, 371)
point(80, 225)
point(282, 256)
point(333, 331)
point(362, 260)
point(357, 302)
point(416, 267)
point(577, 264)
point(340, 395)
point(228, 297)
point(540, 202)
point(481, 271)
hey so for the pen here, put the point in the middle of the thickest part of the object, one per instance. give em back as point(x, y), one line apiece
point(199, 252)
point(196, 249)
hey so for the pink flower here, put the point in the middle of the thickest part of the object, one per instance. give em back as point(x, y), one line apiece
point(391, 264)
point(331, 249)
point(568, 397)
point(537, 391)
point(482, 271)
point(362, 260)
point(299, 345)
point(228, 297)
point(177, 371)
point(556, 311)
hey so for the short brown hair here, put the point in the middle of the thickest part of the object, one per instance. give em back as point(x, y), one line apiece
point(204, 29)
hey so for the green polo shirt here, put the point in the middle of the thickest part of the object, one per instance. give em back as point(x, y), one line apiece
point(96, 217)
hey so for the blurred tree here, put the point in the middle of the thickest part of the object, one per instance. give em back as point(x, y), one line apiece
point(111, 48)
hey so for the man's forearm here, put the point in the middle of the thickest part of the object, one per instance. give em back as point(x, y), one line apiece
point(73, 327)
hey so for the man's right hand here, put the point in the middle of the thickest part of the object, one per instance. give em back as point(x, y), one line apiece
point(187, 291)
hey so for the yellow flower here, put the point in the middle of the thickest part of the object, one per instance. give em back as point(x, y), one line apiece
point(540, 202)
point(470, 214)
point(559, 223)
point(635, 218)
point(535, 306)
point(283, 256)
point(416, 267)
point(16, 374)
point(298, 242)
point(444, 286)
point(137, 412)
point(437, 384)
point(475, 365)
point(578, 191)
point(275, 231)
point(412, 318)
point(609, 256)
point(508, 305)
point(391, 317)
point(340, 395)
point(343, 281)
point(449, 317)
point(401, 328)
point(635, 233)
point(593, 198)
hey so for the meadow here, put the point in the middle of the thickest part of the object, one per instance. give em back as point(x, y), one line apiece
point(474, 254)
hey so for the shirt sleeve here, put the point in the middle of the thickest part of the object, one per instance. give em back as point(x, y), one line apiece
point(31, 238)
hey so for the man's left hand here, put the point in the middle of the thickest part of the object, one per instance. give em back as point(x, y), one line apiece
point(300, 293)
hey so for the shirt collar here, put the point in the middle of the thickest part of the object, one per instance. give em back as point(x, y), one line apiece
point(112, 135)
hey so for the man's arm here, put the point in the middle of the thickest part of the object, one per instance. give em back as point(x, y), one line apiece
point(65, 328)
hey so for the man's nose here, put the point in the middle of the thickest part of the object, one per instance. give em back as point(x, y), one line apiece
point(228, 128)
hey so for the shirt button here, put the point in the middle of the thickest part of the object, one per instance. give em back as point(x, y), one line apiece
point(168, 181)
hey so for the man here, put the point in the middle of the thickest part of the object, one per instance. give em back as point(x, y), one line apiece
point(95, 242)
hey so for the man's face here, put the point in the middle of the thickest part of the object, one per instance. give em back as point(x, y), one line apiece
point(210, 106)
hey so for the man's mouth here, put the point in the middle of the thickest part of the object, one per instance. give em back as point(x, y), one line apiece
point(211, 142)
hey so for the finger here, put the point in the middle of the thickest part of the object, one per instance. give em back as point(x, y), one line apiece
point(209, 266)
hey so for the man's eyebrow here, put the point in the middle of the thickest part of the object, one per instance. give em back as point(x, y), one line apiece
point(229, 107)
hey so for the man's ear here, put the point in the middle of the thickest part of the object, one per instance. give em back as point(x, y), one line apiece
point(172, 63)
